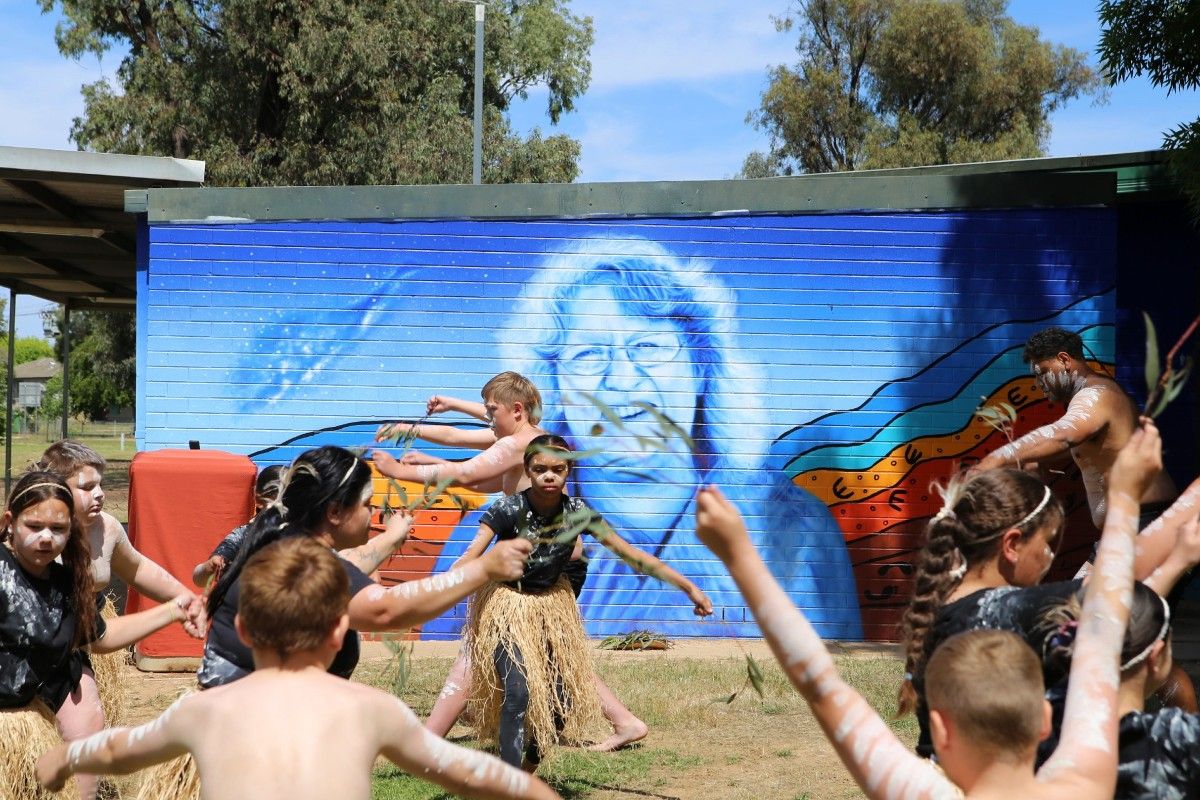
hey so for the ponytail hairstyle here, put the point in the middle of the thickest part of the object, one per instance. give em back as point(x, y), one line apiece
point(320, 479)
point(976, 512)
point(37, 486)
point(1149, 624)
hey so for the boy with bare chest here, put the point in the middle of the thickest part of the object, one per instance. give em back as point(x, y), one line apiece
point(290, 730)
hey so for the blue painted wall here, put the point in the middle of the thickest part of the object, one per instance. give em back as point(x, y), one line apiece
point(759, 334)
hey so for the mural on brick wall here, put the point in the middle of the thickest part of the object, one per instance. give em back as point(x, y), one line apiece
point(825, 367)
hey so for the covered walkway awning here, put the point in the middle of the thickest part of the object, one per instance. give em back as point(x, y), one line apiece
point(65, 235)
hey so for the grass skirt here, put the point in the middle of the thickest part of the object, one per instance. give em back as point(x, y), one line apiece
point(547, 630)
point(177, 779)
point(25, 734)
point(114, 696)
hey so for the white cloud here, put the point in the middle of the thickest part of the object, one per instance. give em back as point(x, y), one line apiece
point(670, 40)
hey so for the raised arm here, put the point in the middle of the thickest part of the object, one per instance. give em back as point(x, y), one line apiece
point(1157, 541)
point(474, 438)
point(117, 751)
point(649, 565)
point(1182, 558)
point(1085, 762)
point(407, 604)
point(1087, 413)
point(489, 465)
point(460, 771)
point(440, 404)
point(879, 762)
point(368, 557)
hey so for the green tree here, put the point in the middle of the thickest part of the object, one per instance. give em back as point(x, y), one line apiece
point(28, 348)
point(102, 363)
point(891, 83)
point(304, 92)
point(1159, 39)
point(51, 407)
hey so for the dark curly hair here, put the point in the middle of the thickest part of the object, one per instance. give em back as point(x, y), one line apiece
point(1050, 342)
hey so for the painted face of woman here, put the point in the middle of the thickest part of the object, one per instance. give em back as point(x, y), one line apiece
point(39, 534)
point(628, 362)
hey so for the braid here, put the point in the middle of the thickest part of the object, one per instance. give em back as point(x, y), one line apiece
point(966, 533)
point(935, 579)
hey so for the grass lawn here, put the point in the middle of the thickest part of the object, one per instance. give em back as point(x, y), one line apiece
point(105, 439)
point(699, 746)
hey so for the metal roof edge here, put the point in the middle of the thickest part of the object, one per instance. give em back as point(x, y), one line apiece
point(63, 165)
point(846, 191)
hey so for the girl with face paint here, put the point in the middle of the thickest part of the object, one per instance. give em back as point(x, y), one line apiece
point(49, 616)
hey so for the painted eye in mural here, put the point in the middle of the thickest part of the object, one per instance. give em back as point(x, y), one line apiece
point(656, 348)
point(645, 351)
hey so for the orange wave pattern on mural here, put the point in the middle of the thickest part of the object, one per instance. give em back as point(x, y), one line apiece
point(883, 511)
point(431, 529)
point(835, 486)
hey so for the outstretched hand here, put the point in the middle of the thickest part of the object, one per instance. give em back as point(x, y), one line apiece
point(399, 524)
point(704, 606)
point(718, 523)
point(437, 405)
point(195, 614)
point(384, 461)
point(52, 768)
point(417, 458)
point(391, 430)
point(1139, 462)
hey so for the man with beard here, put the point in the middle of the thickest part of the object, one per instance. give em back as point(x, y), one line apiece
point(1099, 420)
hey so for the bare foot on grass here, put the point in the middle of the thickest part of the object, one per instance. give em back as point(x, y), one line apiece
point(623, 735)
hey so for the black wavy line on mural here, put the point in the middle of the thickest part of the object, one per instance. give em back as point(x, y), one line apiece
point(899, 414)
point(884, 427)
point(913, 465)
point(344, 425)
point(946, 355)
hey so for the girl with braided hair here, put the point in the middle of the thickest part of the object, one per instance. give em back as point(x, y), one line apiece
point(987, 551)
point(997, 531)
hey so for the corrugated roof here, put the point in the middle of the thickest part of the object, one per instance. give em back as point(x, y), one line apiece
point(1025, 183)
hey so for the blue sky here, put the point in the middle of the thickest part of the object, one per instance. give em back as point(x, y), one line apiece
point(672, 82)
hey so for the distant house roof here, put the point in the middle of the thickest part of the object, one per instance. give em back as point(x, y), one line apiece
point(41, 369)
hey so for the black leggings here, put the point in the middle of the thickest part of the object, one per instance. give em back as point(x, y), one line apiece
point(513, 748)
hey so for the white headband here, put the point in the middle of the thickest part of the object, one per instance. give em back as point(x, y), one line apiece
point(1162, 634)
point(1045, 499)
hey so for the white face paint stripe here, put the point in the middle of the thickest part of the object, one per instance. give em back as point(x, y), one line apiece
point(864, 741)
